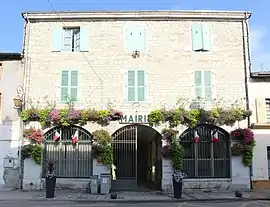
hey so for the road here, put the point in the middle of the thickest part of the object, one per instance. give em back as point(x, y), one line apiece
point(21, 203)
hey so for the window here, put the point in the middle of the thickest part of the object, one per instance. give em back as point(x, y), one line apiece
point(206, 159)
point(203, 85)
point(267, 103)
point(70, 39)
point(135, 38)
point(69, 86)
point(135, 85)
point(268, 159)
point(200, 37)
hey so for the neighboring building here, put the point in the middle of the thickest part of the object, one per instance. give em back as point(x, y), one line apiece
point(260, 105)
point(11, 82)
point(138, 61)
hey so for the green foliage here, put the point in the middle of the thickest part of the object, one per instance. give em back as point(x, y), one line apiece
point(192, 117)
point(32, 151)
point(102, 149)
point(177, 154)
point(246, 145)
point(69, 116)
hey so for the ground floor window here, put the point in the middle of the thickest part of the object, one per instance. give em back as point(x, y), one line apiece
point(71, 160)
point(206, 159)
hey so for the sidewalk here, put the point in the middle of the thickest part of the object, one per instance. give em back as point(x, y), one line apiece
point(137, 197)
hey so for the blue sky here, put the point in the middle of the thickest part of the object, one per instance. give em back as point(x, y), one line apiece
point(12, 35)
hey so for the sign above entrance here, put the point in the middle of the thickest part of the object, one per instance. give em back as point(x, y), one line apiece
point(134, 119)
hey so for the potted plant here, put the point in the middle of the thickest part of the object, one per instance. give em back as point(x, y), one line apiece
point(177, 164)
point(50, 180)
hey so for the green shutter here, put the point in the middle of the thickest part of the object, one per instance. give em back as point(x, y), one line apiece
point(84, 38)
point(197, 39)
point(74, 86)
point(208, 85)
point(141, 85)
point(64, 85)
point(57, 38)
point(130, 39)
point(140, 38)
point(198, 84)
point(206, 37)
point(131, 85)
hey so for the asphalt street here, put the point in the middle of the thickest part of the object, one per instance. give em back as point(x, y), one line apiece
point(20, 203)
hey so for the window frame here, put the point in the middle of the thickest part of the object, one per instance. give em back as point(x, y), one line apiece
point(73, 31)
point(136, 87)
point(69, 87)
point(203, 86)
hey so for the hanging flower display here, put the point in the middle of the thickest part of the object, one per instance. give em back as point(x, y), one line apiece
point(245, 146)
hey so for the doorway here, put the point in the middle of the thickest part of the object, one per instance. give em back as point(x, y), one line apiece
point(137, 158)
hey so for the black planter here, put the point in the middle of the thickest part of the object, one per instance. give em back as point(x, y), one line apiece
point(50, 187)
point(177, 189)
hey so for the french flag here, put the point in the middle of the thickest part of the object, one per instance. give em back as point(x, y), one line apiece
point(56, 136)
point(196, 137)
point(215, 137)
point(75, 137)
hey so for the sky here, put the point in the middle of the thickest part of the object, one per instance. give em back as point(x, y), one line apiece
point(11, 37)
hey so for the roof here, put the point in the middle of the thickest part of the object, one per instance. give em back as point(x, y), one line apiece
point(158, 15)
point(10, 56)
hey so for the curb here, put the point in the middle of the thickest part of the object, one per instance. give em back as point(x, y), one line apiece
point(141, 201)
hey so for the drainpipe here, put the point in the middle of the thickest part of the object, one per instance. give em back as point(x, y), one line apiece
point(247, 66)
point(25, 56)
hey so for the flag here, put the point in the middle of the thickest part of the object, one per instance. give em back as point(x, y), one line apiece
point(196, 137)
point(215, 137)
point(56, 136)
point(75, 137)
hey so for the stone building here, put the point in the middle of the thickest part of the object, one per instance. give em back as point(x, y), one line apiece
point(137, 61)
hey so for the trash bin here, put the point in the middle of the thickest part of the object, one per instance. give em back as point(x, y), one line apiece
point(105, 183)
point(93, 185)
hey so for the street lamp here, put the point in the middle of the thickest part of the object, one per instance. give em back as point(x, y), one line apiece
point(18, 103)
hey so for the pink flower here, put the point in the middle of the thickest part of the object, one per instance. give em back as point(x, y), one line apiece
point(74, 114)
point(54, 115)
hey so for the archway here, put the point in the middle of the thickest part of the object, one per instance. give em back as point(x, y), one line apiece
point(137, 158)
point(206, 159)
point(71, 160)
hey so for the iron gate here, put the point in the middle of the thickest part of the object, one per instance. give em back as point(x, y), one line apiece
point(71, 160)
point(125, 158)
point(206, 159)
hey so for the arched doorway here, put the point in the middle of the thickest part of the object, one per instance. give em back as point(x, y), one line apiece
point(71, 160)
point(206, 159)
point(137, 158)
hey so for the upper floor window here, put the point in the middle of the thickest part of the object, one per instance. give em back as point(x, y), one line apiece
point(203, 85)
point(135, 38)
point(70, 39)
point(267, 103)
point(201, 40)
point(135, 85)
point(262, 110)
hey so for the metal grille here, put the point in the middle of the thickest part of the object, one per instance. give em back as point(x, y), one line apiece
point(125, 153)
point(206, 159)
point(71, 160)
point(267, 103)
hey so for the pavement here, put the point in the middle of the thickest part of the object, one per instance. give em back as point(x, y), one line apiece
point(16, 203)
point(132, 197)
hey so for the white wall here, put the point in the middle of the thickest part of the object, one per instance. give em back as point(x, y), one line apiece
point(260, 163)
point(11, 78)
